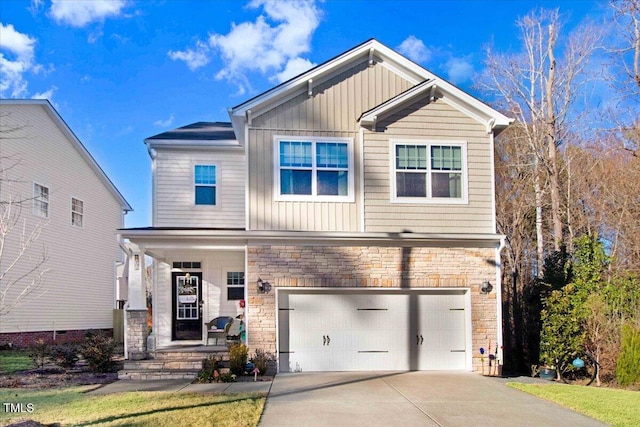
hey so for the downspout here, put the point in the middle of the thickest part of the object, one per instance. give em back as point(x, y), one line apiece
point(500, 354)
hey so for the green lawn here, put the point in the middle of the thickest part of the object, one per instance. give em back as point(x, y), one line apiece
point(612, 406)
point(14, 360)
point(72, 406)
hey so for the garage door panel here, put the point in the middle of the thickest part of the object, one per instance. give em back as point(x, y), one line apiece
point(372, 330)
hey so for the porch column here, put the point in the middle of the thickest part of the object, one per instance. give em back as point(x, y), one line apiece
point(136, 308)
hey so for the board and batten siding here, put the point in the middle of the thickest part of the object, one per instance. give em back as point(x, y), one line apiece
point(79, 285)
point(423, 121)
point(174, 197)
point(332, 111)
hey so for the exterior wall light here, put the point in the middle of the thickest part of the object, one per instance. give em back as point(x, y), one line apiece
point(486, 287)
point(263, 287)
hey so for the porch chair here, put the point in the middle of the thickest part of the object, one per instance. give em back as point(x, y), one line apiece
point(218, 328)
point(233, 334)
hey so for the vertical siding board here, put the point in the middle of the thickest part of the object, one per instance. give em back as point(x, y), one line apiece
point(424, 121)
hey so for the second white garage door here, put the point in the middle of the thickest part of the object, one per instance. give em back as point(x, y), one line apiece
point(356, 330)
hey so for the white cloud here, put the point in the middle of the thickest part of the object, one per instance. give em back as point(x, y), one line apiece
point(293, 68)
point(16, 58)
point(194, 58)
point(414, 49)
point(273, 44)
point(164, 123)
point(459, 70)
point(47, 94)
point(79, 13)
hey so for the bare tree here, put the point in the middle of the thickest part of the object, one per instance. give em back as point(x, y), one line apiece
point(625, 51)
point(22, 260)
point(541, 91)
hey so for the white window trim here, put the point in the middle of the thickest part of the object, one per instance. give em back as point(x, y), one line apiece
point(313, 197)
point(227, 285)
point(428, 200)
point(72, 212)
point(38, 212)
point(193, 184)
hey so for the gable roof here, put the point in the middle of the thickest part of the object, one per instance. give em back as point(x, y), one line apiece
point(199, 134)
point(374, 52)
point(75, 142)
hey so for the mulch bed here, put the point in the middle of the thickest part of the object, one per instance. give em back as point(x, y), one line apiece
point(54, 377)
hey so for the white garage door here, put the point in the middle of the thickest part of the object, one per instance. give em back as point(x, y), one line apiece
point(355, 330)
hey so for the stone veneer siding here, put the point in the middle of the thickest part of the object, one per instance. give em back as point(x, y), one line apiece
point(137, 331)
point(371, 267)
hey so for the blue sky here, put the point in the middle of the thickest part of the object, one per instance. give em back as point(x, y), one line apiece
point(119, 71)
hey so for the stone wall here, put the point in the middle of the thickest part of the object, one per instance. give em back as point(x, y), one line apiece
point(371, 267)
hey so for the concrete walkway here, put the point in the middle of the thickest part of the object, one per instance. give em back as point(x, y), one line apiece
point(407, 399)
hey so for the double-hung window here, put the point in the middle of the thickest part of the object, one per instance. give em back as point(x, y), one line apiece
point(431, 171)
point(314, 169)
point(205, 184)
point(77, 212)
point(40, 200)
point(235, 285)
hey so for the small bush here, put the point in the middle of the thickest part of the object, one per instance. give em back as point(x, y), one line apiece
point(261, 360)
point(64, 355)
point(227, 377)
point(628, 366)
point(98, 350)
point(238, 354)
point(39, 353)
point(210, 366)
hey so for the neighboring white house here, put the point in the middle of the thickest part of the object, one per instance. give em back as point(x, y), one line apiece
point(348, 213)
point(59, 187)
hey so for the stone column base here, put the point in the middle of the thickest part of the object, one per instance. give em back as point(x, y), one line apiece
point(137, 332)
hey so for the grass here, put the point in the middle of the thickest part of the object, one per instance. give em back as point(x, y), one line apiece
point(612, 406)
point(14, 360)
point(72, 406)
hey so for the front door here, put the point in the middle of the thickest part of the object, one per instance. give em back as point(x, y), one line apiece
point(187, 306)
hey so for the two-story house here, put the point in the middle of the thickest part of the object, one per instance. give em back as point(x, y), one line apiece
point(59, 213)
point(351, 209)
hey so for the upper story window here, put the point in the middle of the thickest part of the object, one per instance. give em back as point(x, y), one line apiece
point(311, 169)
point(77, 212)
point(40, 200)
point(429, 172)
point(205, 184)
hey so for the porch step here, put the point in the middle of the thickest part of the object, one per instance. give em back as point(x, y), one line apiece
point(170, 364)
point(165, 374)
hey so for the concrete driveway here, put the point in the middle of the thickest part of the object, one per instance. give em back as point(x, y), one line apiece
point(407, 399)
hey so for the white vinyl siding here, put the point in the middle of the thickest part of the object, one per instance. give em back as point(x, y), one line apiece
point(214, 267)
point(175, 193)
point(79, 285)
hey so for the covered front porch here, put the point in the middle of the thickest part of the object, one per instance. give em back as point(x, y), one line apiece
point(191, 283)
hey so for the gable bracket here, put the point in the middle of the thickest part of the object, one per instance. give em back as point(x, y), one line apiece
point(371, 60)
point(490, 123)
point(249, 117)
point(432, 95)
point(310, 88)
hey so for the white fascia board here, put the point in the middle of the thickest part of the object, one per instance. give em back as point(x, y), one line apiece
point(378, 112)
point(77, 144)
point(192, 144)
point(257, 237)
